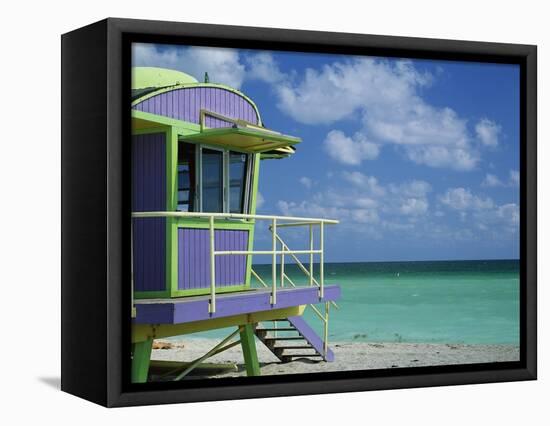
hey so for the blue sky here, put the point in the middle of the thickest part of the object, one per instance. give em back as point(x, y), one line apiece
point(418, 159)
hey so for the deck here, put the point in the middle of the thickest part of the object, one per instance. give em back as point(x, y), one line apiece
point(195, 308)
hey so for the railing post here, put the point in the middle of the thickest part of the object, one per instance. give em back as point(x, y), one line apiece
point(283, 266)
point(322, 261)
point(212, 269)
point(325, 342)
point(133, 311)
point(274, 262)
point(311, 254)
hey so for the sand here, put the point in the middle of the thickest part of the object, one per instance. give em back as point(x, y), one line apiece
point(348, 356)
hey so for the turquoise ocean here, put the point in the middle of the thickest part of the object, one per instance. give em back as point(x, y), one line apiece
point(471, 302)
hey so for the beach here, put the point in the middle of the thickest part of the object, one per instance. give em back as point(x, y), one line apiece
point(348, 356)
point(390, 315)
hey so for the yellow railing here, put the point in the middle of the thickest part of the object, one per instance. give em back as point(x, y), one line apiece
point(274, 252)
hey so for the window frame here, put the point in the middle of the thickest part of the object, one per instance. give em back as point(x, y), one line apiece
point(226, 190)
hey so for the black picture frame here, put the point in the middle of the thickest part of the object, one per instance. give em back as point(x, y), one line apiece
point(95, 177)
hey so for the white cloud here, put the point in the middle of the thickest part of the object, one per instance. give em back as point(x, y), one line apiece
point(376, 210)
point(339, 89)
point(262, 66)
point(514, 178)
point(307, 182)
point(365, 216)
point(491, 181)
point(443, 156)
point(222, 65)
point(386, 96)
point(500, 219)
point(414, 206)
point(260, 200)
point(368, 184)
point(348, 150)
point(463, 199)
point(509, 213)
point(487, 132)
point(481, 214)
point(414, 188)
point(367, 206)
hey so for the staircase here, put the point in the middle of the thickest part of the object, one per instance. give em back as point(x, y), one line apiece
point(293, 338)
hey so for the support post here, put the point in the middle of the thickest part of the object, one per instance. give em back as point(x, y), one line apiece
point(311, 254)
point(249, 350)
point(274, 263)
point(140, 360)
point(212, 306)
point(322, 261)
point(133, 308)
point(325, 337)
point(283, 267)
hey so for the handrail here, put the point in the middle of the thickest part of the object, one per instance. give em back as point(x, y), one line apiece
point(304, 220)
point(309, 273)
point(290, 221)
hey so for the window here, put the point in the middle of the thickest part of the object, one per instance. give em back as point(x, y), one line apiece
point(237, 178)
point(186, 177)
point(212, 180)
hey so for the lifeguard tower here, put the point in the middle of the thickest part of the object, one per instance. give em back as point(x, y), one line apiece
point(196, 155)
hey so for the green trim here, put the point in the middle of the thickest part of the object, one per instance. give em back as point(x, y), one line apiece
point(168, 135)
point(155, 120)
point(248, 345)
point(141, 358)
point(255, 183)
point(218, 224)
point(174, 293)
point(171, 205)
point(194, 85)
point(204, 291)
point(254, 140)
point(253, 200)
point(164, 294)
point(151, 130)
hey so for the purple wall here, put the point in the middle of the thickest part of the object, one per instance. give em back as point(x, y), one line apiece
point(194, 258)
point(185, 104)
point(149, 194)
point(149, 172)
point(149, 254)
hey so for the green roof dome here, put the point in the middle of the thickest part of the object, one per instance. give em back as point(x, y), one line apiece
point(151, 77)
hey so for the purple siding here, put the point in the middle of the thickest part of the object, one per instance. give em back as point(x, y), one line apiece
point(149, 172)
point(185, 104)
point(149, 194)
point(194, 258)
point(149, 249)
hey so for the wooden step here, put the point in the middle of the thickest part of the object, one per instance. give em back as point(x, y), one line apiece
point(277, 329)
point(294, 347)
point(302, 355)
point(284, 338)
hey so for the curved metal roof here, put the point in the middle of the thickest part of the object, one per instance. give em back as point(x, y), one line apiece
point(150, 81)
point(152, 77)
